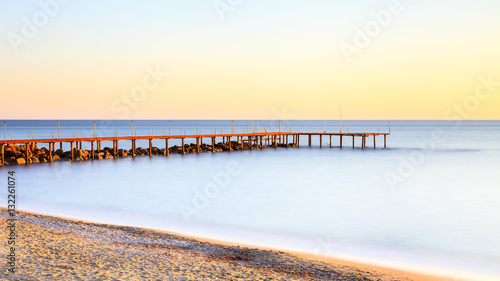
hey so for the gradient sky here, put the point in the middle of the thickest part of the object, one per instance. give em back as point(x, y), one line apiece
point(266, 59)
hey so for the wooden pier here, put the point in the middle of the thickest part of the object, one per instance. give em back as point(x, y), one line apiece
point(254, 140)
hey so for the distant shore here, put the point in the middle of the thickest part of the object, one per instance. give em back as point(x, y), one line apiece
point(50, 247)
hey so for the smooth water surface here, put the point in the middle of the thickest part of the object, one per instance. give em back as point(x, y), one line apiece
point(429, 202)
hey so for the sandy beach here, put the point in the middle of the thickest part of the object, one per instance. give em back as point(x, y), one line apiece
point(54, 248)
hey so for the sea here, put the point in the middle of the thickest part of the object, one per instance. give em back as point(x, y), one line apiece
point(429, 202)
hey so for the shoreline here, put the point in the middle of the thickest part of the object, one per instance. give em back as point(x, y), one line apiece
point(194, 257)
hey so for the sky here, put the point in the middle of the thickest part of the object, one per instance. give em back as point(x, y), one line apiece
point(250, 59)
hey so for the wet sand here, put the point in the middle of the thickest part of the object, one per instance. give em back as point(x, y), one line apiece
point(54, 248)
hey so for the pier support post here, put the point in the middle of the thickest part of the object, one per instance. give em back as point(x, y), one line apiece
point(3, 154)
point(183, 149)
point(261, 146)
point(352, 141)
point(385, 141)
point(133, 148)
point(275, 141)
point(298, 140)
point(340, 141)
point(363, 142)
point(98, 145)
point(309, 140)
point(374, 142)
point(198, 145)
point(114, 148)
point(286, 139)
point(72, 153)
point(51, 148)
point(242, 143)
point(60, 145)
point(213, 144)
point(150, 147)
point(250, 142)
point(27, 152)
point(92, 149)
point(320, 141)
point(229, 142)
point(330, 141)
point(167, 151)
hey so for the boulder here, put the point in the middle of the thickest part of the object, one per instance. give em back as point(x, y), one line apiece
point(122, 153)
point(10, 151)
point(82, 155)
point(107, 155)
point(11, 161)
point(13, 147)
point(155, 151)
point(43, 151)
point(59, 152)
point(140, 151)
point(175, 149)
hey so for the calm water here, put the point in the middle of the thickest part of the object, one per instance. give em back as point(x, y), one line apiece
point(430, 202)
